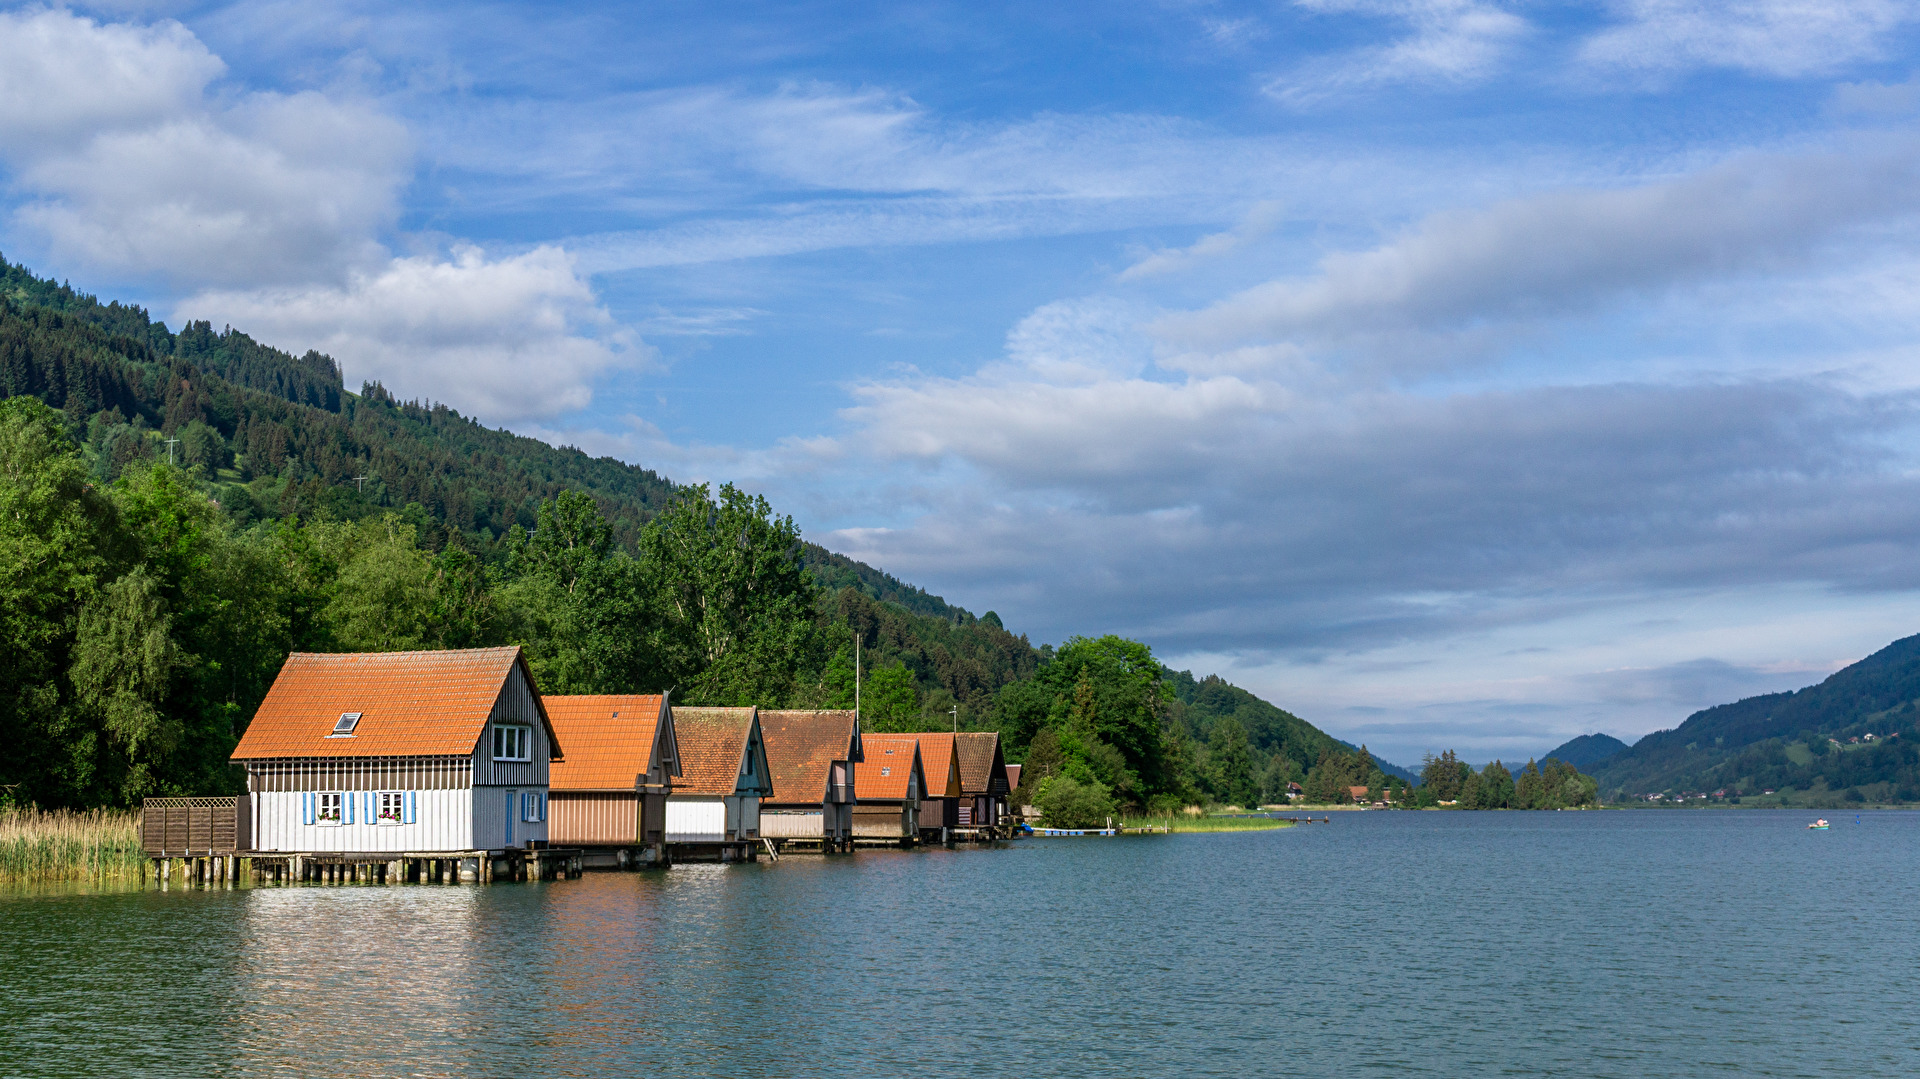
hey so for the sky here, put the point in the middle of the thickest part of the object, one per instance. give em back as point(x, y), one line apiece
point(1455, 374)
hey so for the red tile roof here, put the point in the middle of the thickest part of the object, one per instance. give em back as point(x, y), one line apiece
point(937, 759)
point(713, 746)
point(891, 760)
point(410, 703)
point(610, 739)
point(981, 764)
point(801, 749)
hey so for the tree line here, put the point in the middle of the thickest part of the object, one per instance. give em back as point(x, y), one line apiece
point(1446, 780)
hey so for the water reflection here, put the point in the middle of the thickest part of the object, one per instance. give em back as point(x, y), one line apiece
point(1383, 944)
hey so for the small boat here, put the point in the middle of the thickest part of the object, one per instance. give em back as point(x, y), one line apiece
point(1819, 825)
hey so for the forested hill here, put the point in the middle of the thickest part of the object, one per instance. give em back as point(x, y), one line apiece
point(1587, 750)
point(1852, 737)
point(275, 442)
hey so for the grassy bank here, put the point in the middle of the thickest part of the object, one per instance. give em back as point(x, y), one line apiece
point(1183, 823)
point(97, 845)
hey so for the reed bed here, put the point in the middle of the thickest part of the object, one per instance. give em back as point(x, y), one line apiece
point(1181, 822)
point(70, 845)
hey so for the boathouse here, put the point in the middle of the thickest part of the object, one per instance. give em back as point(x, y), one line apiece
point(714, 808)
point(890, 781)
point(609, 795)
point(811, 757)
point(984, 783)
point(440, 756)
point(940, 801)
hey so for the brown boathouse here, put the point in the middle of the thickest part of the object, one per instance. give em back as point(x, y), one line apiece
point(890, 781)
point(609, 794)
point(811, 757)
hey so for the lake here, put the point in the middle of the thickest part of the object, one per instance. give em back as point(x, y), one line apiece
point(1623, 944)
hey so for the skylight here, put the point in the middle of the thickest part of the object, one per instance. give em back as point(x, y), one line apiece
point(343, 727)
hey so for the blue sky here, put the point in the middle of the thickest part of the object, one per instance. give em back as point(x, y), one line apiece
point(1456, 374)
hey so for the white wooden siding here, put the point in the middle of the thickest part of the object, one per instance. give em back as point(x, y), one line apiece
point(791, 825)
point(697, 820)
point(443, 820)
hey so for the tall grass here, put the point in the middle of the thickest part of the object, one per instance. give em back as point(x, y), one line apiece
point(75, 845)
point(1181, 822)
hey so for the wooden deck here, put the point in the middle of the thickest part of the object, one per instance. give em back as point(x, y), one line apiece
point(381, 867)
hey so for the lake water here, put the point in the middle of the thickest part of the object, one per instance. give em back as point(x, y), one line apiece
point(1382, 944)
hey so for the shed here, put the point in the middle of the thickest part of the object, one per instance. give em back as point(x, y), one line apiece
point(890, 781)
point(714, 809)
point(940, 804)
point(610, 793)
point(983, 781)
point(400, 751)
point(810, 755)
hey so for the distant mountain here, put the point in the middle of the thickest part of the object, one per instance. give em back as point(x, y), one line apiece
point(1851, 737)
point(1587, 750)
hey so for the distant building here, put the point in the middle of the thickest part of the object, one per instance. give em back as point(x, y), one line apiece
point(890, 780)
point(811, 755)
point(610, 794)
point(940, 802)
point(1359, 794)
point(714, 810)
point(984, 782)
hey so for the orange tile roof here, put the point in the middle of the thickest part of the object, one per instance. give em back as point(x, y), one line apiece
point(411, 703)
point(713, 744)
point(979, 753)
point(936, 757)
point(611, 740)
point(891, 760)
point(801, 749)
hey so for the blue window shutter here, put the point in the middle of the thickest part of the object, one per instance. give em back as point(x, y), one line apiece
point(407, 814)
point(346, 807)
point(306, 807)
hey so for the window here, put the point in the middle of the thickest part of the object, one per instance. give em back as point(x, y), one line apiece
point(343, 727)
point(886, 771)
point(512, 743)
point(533, 806)
point(393, 808)
point(329, 807)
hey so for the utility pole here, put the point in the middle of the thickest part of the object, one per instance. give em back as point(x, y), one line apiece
point(170, 444)
point(360, 483)
point(856, 678)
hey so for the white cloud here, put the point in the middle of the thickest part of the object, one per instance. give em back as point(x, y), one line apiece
point(1462, 274)
point(147, 175)
point(1449, 41)
point(1783, 38)
point(1258, 222)
point(506, 339)
point(64, 78)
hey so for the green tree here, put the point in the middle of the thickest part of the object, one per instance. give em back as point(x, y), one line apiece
point(1496, 786)
point(889, 701)
point(580, 607)
point(1230, 760)
point(735, 606)
point(1065, 802)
